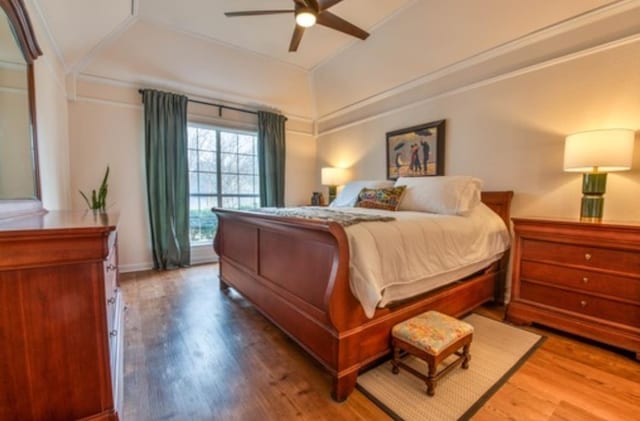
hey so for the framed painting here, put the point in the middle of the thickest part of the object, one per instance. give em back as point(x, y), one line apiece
point(416, 151)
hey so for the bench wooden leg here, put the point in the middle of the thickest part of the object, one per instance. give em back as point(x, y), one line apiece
point(458, 346)
point(431, 381)
point(396, 359)
point(466, 355)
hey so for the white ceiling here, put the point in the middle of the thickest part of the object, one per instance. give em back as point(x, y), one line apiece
point(81, 26)
point(268, 35)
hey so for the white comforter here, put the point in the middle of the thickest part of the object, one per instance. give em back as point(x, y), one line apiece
point(419, 251)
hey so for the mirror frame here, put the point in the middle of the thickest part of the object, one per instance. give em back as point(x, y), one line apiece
point(16, 12)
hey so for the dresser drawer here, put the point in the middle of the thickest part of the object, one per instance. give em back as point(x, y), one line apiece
point(582, 280)
point(115, 331)
point(581, 255)
point(116, 353)
point(110, 286)
point(111, 310)
point(581, 303)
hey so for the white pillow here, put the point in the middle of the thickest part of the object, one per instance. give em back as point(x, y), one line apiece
point(451, 195)
point(349, 194)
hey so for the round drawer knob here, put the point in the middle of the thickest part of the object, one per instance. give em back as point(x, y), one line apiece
point(585, 280)
point(587, 256)
point(583, 303)
point(112, 300)
point(113, 333)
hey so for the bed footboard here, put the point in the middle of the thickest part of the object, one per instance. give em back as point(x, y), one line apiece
point(296, 273)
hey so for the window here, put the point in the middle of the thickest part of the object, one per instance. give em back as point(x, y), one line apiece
point(223, 172)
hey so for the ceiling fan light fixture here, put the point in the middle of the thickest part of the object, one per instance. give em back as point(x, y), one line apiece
point(305, 17)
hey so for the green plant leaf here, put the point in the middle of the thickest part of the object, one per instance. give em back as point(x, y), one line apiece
point(94, 200)
point(98, 198)
point(104, 189)
point(86, 199)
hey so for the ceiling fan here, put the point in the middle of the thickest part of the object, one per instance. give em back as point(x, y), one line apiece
point(307, 14)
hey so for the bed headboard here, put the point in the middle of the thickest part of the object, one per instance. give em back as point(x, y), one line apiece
point(500, 203)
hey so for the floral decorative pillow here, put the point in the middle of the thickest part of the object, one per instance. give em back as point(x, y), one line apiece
point(386, 198)
point(348, 196)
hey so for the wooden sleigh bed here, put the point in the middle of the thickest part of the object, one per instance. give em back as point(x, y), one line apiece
point(296, 273)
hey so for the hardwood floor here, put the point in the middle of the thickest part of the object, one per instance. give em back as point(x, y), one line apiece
point(195, 353)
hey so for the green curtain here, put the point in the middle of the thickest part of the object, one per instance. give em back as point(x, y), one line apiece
point(167, 167)
point(271, 158)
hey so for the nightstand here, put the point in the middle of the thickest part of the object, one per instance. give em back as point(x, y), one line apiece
point(582, 278)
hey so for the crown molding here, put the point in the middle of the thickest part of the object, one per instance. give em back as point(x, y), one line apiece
point(105, 42)
point(13, 65)
point(203, 94)
point(521, 42)
point(489, 81)
point(18, 91)
point(110, 102)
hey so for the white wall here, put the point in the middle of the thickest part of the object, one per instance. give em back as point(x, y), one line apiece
point(106, 123)
point(52, 120)
point(107, 128)
point(510, 131)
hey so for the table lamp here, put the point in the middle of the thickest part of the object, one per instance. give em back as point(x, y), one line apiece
point(332, 177)
point(596, 153)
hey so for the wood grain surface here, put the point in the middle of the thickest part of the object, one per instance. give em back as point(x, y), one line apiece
point(59, 307)
point(195, 352)
point(583, 278)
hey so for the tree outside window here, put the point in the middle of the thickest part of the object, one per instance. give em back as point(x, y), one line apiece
point(223, 172)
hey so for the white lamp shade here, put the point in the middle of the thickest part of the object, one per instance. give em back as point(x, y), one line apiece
point(599, 150)
point(331, 176)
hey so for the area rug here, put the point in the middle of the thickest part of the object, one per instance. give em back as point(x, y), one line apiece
point(497, 351)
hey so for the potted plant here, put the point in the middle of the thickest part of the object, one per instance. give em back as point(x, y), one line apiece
point(98, 202)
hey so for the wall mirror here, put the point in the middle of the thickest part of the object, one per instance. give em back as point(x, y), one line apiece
point(19, 178)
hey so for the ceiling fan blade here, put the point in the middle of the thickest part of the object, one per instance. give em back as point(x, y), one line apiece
point(325, 4)
point(256, 13)
point(312, 4)
point(332, 21)
point(295, 39)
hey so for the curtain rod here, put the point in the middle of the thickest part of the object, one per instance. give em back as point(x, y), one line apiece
point(220, 107)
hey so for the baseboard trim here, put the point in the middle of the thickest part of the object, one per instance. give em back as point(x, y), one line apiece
point(135, 267)
point(199, 255)
point(201, 261)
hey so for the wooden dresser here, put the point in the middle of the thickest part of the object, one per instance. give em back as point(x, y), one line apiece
point(61, 321)
point(582, 278)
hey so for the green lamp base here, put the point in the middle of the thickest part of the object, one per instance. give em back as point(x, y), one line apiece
point(594, 186)
point(333, 191)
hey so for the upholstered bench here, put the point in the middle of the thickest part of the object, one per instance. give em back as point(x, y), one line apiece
point(432, 337)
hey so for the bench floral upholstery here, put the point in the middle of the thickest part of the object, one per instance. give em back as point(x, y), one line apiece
point(431, 331)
